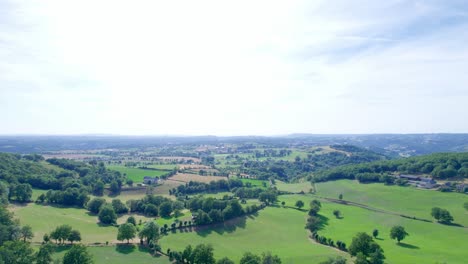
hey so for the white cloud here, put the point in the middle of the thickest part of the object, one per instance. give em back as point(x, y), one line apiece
point(245, 67)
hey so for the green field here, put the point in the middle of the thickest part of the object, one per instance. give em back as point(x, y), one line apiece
point(256, 183)
point(44, 219)
point(118, 255)
point(427, 242)
point(407, 200)
point(162, 166)
point(136, 174)
point(294, 187)
point(278, 230)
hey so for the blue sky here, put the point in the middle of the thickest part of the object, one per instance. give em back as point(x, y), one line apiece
point(233, 68)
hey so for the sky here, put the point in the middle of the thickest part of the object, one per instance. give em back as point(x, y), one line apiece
point(233, 67)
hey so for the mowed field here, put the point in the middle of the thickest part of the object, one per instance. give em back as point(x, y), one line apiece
point(406, 200)
point(275, 229)
point(136, 174)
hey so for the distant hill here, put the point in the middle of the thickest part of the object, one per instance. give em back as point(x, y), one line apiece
point(392, 145)
point(437, 165)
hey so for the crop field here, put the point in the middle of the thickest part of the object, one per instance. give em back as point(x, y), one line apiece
point(136, 174)
point(275, 229)
point(407, 200)
point(427, 242)
point(185, 177)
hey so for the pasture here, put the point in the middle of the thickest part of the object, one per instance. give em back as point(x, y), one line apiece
point(427, 242)
point(136, 174)
point(44, 219)
point(278, 230)
point(121, 254)
point(406, 200)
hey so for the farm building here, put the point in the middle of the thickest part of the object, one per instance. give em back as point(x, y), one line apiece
point(150, 180)
point(419, 181)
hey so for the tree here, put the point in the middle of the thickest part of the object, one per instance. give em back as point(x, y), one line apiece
point(361, 259)
point(398, 232)
point(119, 207)
point(74, 235)
point(336, 213)
point(203, 254)
point(149, 232)
point(95, 204)
point(376, 257)
point(340, 196)
point(16, 252)
point(61, 233)
point(441, 215)
point(335, 260)
point(267, 258)
point(126, 231)
point(250, 258)
point(107, 214)
point(78, 254)
point(224, 260)
point(315, 206)
point(283, 203)
point(26, 233)
point(375, 233)
point(115, 187)
point(362, 243)
point(131, 220)
point(299, 204)
point(151, 210)
point(98, 188)
point(21, 192)
point(44, 255)
point(313, 223)
point(165, 209)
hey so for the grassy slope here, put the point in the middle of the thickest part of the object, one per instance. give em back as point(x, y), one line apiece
point(406, 200)
point(118, 255)
point(136, 174)
point(278, 230)
point(43, 219)
point(427, 242)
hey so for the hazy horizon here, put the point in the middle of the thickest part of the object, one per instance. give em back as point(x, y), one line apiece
point(262, 68)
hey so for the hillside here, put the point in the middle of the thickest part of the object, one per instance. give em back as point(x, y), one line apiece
point(450, 166)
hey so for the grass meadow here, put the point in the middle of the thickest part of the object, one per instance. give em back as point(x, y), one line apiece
point(406, 200)
point(136, 174)
point(278, 230)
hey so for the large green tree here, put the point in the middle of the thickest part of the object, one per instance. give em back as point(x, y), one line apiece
point(126, 231)
point(107, 214)
point(203, 254)
point(26, 233)
point(441, 215)
point(16, 252)
point(250, 258)
point(149, 232)
point(363, 247)
point(399, 233)
point(78, 254)
point(95, 204)
point(44, 255)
